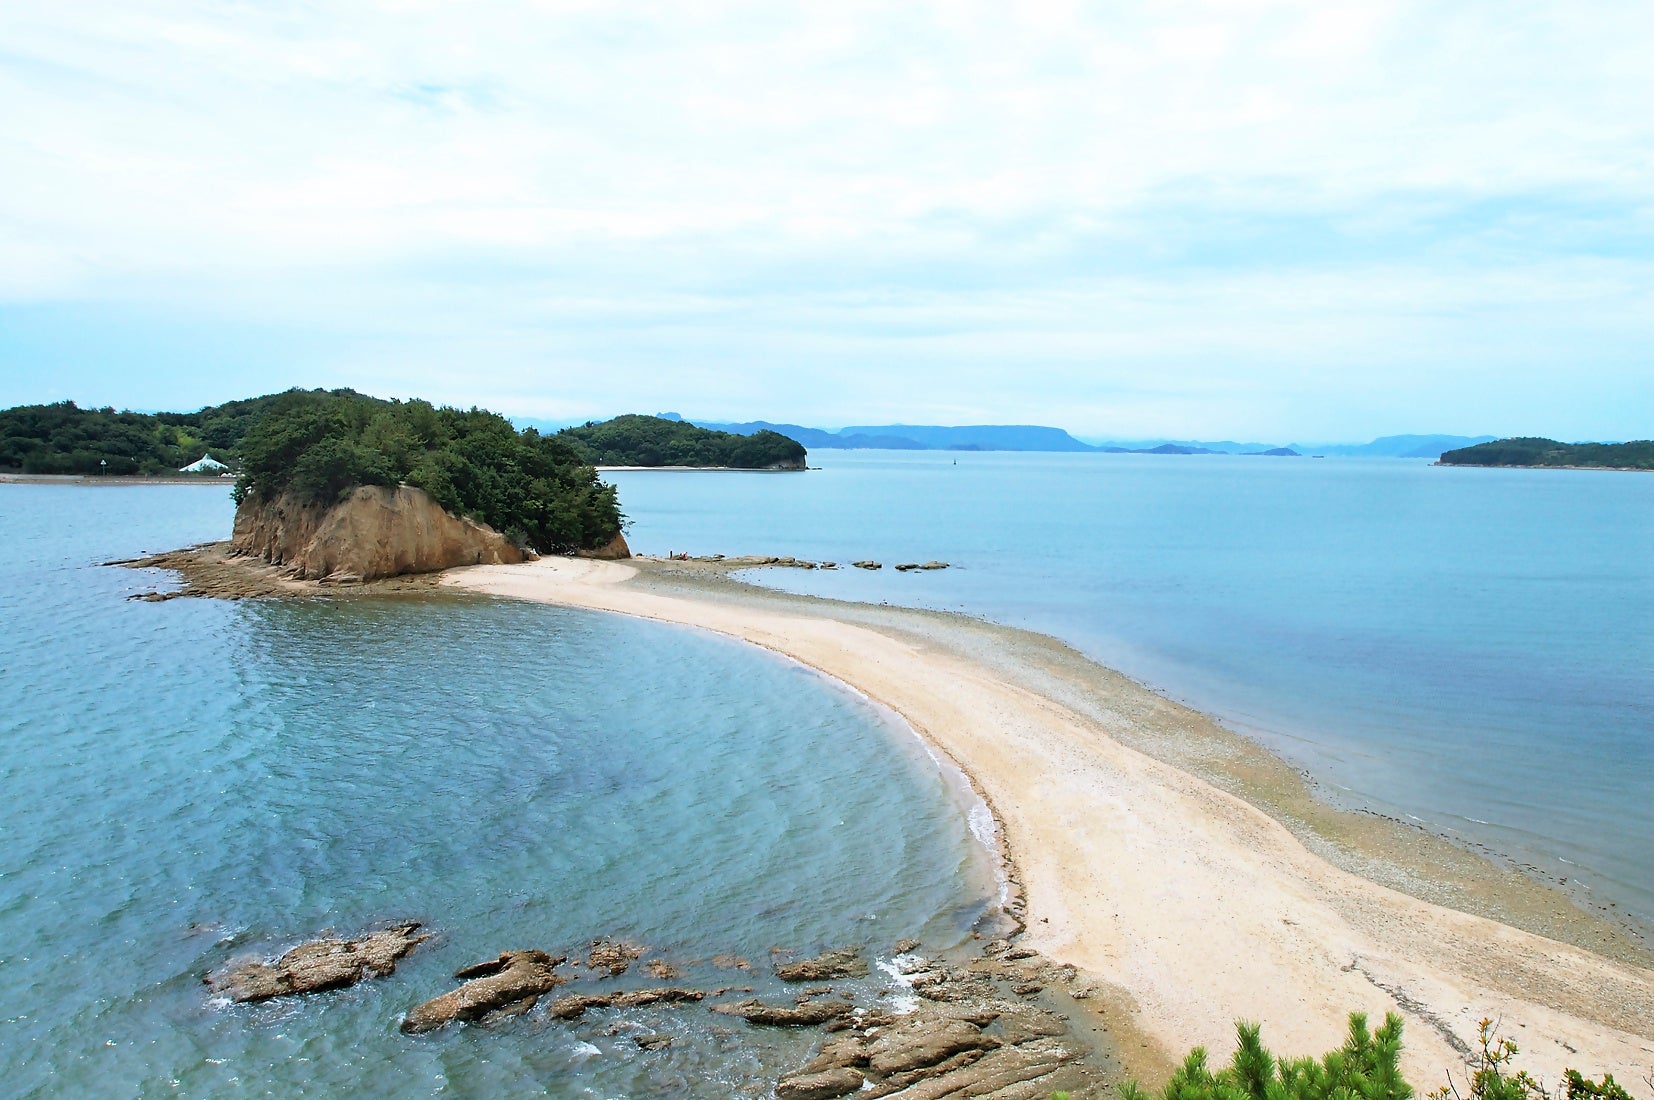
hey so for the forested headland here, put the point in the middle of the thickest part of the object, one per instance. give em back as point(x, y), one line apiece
point(655, 441)
point(63, 438)
point(535, 489)
point(318, 445)
point(1533, 451)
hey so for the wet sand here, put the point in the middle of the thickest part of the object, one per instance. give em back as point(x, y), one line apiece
point(1193, 878)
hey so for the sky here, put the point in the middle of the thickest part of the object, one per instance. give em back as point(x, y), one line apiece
point(1266, 219)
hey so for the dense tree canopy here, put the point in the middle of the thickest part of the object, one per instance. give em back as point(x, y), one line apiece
point(66, 439)
point(1530, 451)
point(656, 441)
point(536, 489)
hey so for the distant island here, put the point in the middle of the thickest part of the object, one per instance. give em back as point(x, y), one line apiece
point(915, 437)
point(1536, 452)
point(63, 438)
point(635, 440)
point(1042, 438)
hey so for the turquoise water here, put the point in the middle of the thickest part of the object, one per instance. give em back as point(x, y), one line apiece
point(193, 780)
point(1469, 648)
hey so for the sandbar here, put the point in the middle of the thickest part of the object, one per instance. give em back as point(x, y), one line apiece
point(1161, 856)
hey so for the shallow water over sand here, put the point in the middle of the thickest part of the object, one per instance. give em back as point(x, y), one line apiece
point(190, 780)
point(1465, 648)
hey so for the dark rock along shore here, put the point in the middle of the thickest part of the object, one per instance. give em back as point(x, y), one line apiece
point(974, 1028)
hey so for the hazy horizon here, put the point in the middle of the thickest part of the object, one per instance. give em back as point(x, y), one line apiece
point(1270, 220)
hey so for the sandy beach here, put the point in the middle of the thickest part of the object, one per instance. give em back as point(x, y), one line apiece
point(1191, 877)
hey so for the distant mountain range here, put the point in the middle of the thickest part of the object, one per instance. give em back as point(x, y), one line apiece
point(1034, 437)
point(1402, 446)
point(1030, 437)
point(919, 437)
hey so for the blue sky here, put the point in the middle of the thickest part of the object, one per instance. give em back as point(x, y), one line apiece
point(1275, 220)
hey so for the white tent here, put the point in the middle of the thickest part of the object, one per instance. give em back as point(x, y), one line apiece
point(203, 465)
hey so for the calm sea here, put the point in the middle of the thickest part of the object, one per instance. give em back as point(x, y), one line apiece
point(1470, 648)
point(188, 781)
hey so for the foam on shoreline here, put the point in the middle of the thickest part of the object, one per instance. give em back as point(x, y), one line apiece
point(1147, 862)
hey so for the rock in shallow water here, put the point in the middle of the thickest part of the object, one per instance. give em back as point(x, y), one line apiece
point(575, 1005)
point(826, 1085)
point(846, 962)
point(612, 956)
point(807, 1014)
point(318, 965)
point(506, 982)
point(968, 1038)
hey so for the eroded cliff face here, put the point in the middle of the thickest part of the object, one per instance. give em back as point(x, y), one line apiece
point(613, 550)
point(378, 531)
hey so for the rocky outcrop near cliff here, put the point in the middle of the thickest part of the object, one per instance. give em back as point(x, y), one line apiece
point(376, 531)
point(613, 550)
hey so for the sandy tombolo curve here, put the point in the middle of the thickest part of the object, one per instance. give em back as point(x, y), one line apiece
point(1191, 906)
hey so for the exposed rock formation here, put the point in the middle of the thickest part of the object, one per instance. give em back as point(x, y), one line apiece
point(318, 965)
point(576, 1004)
point(612, 957)
point(964, 1039)
point(613, 550)
point(660, 968)
point(846, 962)
point(822, 1085)
point(973, 1028)
point(808, 1014)
point(377, 531)
point(515, 980)
point(730, 962)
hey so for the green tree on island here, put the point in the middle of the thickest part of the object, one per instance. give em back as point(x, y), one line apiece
point(537, 490)
point(634, 440)
point(1535, 451)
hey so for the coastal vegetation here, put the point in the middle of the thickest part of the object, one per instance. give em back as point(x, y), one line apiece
point(1533, 451)
point(63, 438)
point(656, 441)
point(1366, 1067)
point(318, 446)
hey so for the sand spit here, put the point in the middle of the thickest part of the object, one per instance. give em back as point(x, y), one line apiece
point(1182, 901)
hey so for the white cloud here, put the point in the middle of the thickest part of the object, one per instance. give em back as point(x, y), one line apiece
point(1243, 183)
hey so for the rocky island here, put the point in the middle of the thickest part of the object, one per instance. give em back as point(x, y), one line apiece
point(343, 487)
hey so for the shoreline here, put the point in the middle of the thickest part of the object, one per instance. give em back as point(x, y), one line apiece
point(1182, 868)
point(1508, 466)
point(113, 480)
point(710, 469)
